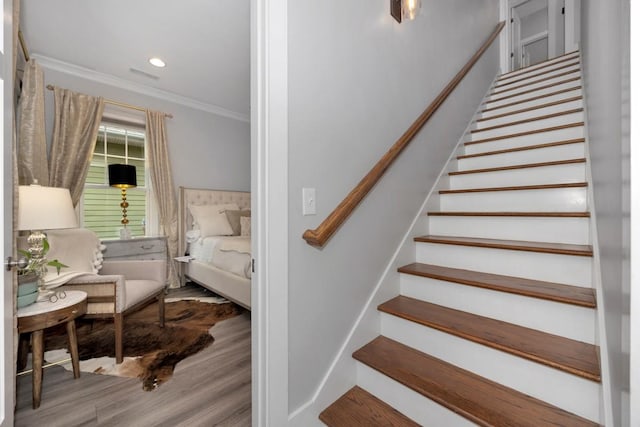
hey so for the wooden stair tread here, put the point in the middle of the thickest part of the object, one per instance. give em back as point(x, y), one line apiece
point(575, 357)
point(514, 245)
point(523, 166)
point(526, 110)
point(529, 120)
point(537, 74)
point(523, 214)
point(525, 70)
point(575, 295)
point(529, 132)
point(357, 408)
point(536, 89)
point(524, 148)
point(534, 98)
point(482, 401)
point(515, 188)
point(544, 79)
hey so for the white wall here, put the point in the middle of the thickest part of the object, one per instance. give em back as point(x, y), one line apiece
point(207, 150)
point(605, 45)
point(535, 23)
point(357, 79)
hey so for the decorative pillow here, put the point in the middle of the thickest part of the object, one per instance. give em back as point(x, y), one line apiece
point(192, 235)
point(234, 219)
point(211, 219)
point(245, 226)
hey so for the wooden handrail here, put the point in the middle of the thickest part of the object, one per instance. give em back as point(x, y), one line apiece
point(330, 225)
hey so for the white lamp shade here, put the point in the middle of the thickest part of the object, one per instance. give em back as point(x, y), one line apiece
point(45, 208)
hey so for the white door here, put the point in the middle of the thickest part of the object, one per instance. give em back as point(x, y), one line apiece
point(7, 393)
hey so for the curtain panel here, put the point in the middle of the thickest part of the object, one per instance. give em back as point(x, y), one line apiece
point(75, 129)
point(32, 145)
point(163, 188)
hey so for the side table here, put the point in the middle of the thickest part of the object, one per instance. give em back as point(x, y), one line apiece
point(37, 317)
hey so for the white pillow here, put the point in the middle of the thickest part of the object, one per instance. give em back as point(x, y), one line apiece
point(245, 226)
point(211, 219)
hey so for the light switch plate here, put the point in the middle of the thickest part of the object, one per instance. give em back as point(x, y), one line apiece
point(308, 201)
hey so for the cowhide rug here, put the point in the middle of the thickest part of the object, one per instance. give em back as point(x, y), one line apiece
point(151, 352)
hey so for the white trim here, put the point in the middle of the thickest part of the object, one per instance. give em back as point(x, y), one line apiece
point(634, 262)
point(534, 38)
point(7, 305)
point(269, 201)
point(107, 79)
point(504, 37)
point(606, 410)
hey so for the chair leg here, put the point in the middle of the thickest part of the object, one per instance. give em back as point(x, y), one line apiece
point(161, 308)
point(118, 324)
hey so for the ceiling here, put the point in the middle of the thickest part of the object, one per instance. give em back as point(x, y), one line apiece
point(205, 43)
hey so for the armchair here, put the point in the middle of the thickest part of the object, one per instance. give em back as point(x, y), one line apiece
point(120, 286)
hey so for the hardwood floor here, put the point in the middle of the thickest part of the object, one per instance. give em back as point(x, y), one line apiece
point(211, 388)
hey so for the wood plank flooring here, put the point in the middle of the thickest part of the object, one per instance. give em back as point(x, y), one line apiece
point(211, 388)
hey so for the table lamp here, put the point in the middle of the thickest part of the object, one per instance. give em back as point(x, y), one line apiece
point(43, 208)
point(123, 177)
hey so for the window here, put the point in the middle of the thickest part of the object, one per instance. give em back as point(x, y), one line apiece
point(100, 208)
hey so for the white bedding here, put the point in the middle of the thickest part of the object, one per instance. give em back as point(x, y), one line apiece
point(228, 253)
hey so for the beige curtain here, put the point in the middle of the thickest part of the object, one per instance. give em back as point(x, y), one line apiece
point(162, 182)
point(32, 146)
point(75, 129)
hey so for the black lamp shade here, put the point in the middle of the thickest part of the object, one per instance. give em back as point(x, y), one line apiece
point(122, 176)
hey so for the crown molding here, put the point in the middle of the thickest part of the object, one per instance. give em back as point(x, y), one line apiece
point(108, 79)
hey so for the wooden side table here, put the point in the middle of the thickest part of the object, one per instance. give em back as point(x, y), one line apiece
point(37, 317)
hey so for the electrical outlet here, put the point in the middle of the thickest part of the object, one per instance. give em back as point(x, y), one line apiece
point(308, 201)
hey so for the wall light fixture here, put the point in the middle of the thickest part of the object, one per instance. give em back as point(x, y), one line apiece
point(405, 10)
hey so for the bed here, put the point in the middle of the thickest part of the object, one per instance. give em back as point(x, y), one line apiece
point(228, 271)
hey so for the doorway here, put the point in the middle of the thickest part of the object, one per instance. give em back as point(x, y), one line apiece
point(536, 31)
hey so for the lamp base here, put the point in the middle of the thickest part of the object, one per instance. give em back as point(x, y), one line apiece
point(125, 233)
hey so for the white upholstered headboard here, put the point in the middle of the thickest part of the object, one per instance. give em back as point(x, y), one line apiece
point(200, 196)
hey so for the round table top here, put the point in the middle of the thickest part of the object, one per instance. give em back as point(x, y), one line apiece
point(72, 298)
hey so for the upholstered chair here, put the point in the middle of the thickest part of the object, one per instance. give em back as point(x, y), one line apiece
point(114, 287)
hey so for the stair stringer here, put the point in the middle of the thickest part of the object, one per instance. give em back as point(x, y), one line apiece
point(342, 373)
point(606, 408)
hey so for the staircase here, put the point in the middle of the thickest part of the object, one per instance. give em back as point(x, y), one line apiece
point(495, 323)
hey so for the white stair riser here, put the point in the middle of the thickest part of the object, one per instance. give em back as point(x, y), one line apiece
point(553, 109)
point(524, 94)
point(538, 68)
point(421, 409)
point(531, 103)
point(534, 229)
point(523, 157)
point(557, 174)
point(566, 320)
point(565, 269)
point(528, 126)
point(556, 71)
point(567, 391)
point(572, 199)
point(541, 84)
point(547, 137)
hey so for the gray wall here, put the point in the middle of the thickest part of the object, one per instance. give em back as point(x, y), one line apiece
point(357, 79)
point(605, 46)
point(207, 150)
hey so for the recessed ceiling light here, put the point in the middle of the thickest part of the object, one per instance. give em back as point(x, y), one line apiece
point(157, 62)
